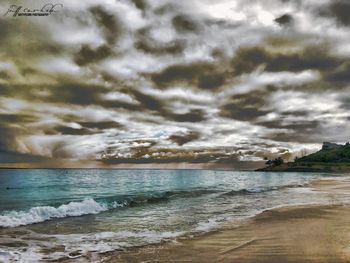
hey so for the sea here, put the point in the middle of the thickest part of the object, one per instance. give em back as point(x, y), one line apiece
point(76, 214)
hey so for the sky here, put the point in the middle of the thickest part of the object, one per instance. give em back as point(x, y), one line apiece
point(109, 82)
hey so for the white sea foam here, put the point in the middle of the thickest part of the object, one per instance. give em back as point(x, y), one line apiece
point(43, 213)
point(147, 236)
point(206, 226)
point(211, 223)
point(30, 254)
point(80, 245)
point(109, 241)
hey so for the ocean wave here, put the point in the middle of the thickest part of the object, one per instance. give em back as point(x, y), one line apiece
point(94, 206)
point(44, 213)
point(87, 206)
point(153, 198)
point(261, 189)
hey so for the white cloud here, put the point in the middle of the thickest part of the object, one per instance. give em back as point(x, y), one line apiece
point(223, 27)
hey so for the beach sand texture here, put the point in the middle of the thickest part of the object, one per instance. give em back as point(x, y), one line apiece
point(292, 234)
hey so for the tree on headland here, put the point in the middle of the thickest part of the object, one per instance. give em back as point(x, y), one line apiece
point(275, 162)
point(330, 153)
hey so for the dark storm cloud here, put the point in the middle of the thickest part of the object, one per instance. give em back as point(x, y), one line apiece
point(17, 118)
point(12, 125)
point(109, 23)
point(12, 157)
point(201, 74)
point(154, 104)
point(7, 139)
point(315, 57)
point(340, 74)
point(284, 20)
point(88, 55)
point(102, 125)
point(242, 114)
point(182, 139)
point(70, 93)
point(76, 93)
point(152, 47)
point(298, 113)
point(88, 128)
point(85, 95)
point(82, 94)
point(194, 115)
point(59, 150)
point(246, 107)
point(141, 4)
point(337, 9)
point(93, 125)
point(64, 130)
point(345, 102)
point(149, 102)
point(170, 8)
point(247, 59)
point(4, 75)
point(185, 24)
point(306, 137)
point(297, 126)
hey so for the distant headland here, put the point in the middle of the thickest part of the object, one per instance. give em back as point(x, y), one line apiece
point(334, 158)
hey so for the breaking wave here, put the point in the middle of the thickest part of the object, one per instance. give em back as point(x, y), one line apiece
point(90, 206)
point(43, 213)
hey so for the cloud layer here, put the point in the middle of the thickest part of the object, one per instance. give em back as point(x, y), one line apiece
point(198, 81)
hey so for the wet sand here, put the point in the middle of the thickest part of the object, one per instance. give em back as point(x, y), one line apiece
point(293, 234)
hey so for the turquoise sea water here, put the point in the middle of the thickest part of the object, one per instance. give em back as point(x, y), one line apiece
point(53, 214)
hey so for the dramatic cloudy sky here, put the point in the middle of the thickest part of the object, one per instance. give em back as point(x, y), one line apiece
point(159, 81)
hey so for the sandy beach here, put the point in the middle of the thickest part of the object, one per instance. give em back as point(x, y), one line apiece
point(315, 233)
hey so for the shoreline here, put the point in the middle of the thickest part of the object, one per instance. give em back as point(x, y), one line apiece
point(305, 233)
point(264, 170)
point(332, 168)
point(285, 168)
